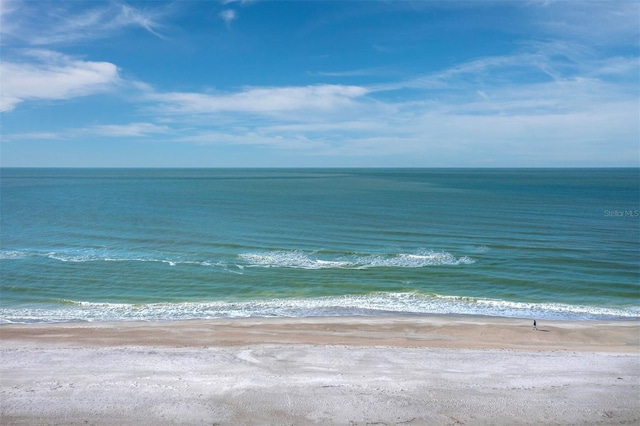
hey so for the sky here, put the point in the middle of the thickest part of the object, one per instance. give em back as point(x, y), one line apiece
point(319, 83)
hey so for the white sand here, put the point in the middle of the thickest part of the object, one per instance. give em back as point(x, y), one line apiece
point(346, 371)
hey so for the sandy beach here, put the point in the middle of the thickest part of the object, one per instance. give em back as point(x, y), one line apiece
point(325, 371)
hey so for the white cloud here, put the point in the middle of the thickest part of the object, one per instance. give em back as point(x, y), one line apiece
point(8, 19)
point(131, 130)
point(31, 136)
point(534, 63)
point(228, 15)
point(596, 23)
point(482, 111)
point(52, 76)
point(263, 100)
point(569, 119)
point(617, 66)
point(126, 130)
point(477, 117)
point(242, 2)
point(258, 138)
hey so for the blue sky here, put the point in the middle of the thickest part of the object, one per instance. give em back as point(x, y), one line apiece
point(320, 84)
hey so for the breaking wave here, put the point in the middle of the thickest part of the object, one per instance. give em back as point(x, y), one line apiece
point(375, 304)
point(270, 259)
point(13, 254)
point(301, 260)
point(105, 255)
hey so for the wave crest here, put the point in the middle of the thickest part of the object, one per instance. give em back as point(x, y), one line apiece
point(301, 260)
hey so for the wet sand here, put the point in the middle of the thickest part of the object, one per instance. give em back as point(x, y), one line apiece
point(303, 371)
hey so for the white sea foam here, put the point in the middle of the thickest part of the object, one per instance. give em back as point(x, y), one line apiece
point(371, 305)
point(83, 255)
point(13, 254)
point(302, 260)
point(290, 259)
point(269, 259)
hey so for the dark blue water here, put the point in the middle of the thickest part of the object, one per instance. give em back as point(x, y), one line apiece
point(118, 244)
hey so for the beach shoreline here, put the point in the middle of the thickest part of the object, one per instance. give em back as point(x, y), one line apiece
point(442, 331)
point(322, 370)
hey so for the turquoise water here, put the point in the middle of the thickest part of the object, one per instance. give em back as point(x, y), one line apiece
point(125, 244)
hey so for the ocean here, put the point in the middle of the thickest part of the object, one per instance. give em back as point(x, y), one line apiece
point(172, 244)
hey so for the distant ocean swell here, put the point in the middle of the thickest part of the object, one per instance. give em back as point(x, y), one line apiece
point(268, 259)
point(374, 304)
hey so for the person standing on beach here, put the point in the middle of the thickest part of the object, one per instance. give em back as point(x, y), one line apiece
point(535, 325)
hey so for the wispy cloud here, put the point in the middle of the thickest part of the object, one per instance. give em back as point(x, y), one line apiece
point(591, 22)
point(126, 130)
point(536, 63)
point(130, 130)
point(297, 142)
point(129, 16)
point(48, 75)
point(56, 23)
point(31, 136)
point(242, 2)
point(363, 72)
